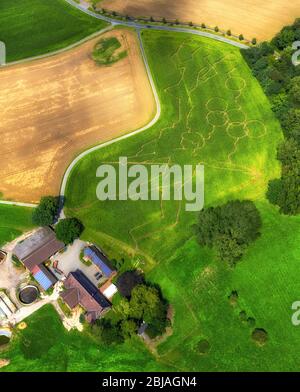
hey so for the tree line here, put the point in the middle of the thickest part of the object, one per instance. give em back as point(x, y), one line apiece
point(271, 63)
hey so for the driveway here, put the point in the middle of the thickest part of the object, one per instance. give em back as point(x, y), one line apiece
point(10, 276)
point(69, 261)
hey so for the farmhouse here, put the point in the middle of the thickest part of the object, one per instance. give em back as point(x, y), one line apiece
point(93, 254)
point(35, 250)
point(79, 290)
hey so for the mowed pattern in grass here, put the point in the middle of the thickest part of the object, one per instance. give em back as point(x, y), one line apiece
point(33, 27)
point(13, 222)
point(210, 103)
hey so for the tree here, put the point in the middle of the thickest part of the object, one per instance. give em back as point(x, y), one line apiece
point(108, 332)
point(241, 37)
point(145, 305)
point(46, 212)
point(229, 33)
point(191, 24)
point(203, 25)
point(254, 41)
point(294, 93)
point(129, 328)
point(164, 20)
point(127, 281)
point(216, 29)
point(67, 230)
point(229, 228)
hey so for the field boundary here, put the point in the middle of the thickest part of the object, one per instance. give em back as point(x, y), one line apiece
point(138, 27)
point(59, 51)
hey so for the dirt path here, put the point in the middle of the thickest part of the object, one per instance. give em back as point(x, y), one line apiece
point(54, 108)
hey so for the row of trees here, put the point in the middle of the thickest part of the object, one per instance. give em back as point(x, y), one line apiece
point(272, 65)
point(46, 214)
point(229, 229)
point(165, 21)
point(145, 305)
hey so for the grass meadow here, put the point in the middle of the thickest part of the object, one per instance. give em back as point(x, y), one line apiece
point(13, 222)
point(213, 112)
point(33, 27)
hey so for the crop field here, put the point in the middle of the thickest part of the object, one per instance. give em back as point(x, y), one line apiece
point(55, 107)
point(214, 112)
point(252, 18)
point(13, 222)
point(33, 27)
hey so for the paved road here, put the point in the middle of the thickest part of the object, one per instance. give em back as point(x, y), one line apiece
point(19, 204)
point(138, 27)
point(95, 148)
point(131, 23)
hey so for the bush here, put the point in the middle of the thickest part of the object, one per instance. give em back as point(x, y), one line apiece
point(254, 41)
point(46, 212)
point(67, 230)
point(202, 347)
point(233, 298)
point(228, 32)
point(216, 29)
point(241, 37)
point(260, 336)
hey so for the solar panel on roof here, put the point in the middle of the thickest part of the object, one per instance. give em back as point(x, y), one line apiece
point(42, 279)
point(97, 260)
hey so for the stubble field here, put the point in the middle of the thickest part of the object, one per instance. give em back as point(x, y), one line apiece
point(56, 107)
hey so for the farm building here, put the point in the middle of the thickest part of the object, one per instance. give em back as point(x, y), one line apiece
point(93, 254)
point(79, 290)
point(7, 308)
point(108, 289)
point(36, 250)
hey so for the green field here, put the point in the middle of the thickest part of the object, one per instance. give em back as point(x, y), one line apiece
point(213, 112)
point(13, 222)
point(33, 27)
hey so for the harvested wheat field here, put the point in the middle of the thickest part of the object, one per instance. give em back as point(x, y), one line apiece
point(52, 109)
point(252, 18)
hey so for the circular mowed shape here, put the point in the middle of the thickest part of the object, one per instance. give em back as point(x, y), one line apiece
point(217, 118)
point(256, 129)
point(28, 294)
point(235, 84)
point(236, 115)
point(218, 104)
point(236, 130)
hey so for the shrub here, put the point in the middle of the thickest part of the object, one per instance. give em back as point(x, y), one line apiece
point(260, 336)
point(233, 298)
point(228, 32)
point(216, 29)
point(202, 347)
point(254, 41)
point(241, 37)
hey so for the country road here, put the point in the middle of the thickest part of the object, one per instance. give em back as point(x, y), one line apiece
point(138, 27)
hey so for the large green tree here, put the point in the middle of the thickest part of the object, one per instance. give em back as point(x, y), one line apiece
point(67, 230)
point(229, 228)
point(46, 212)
